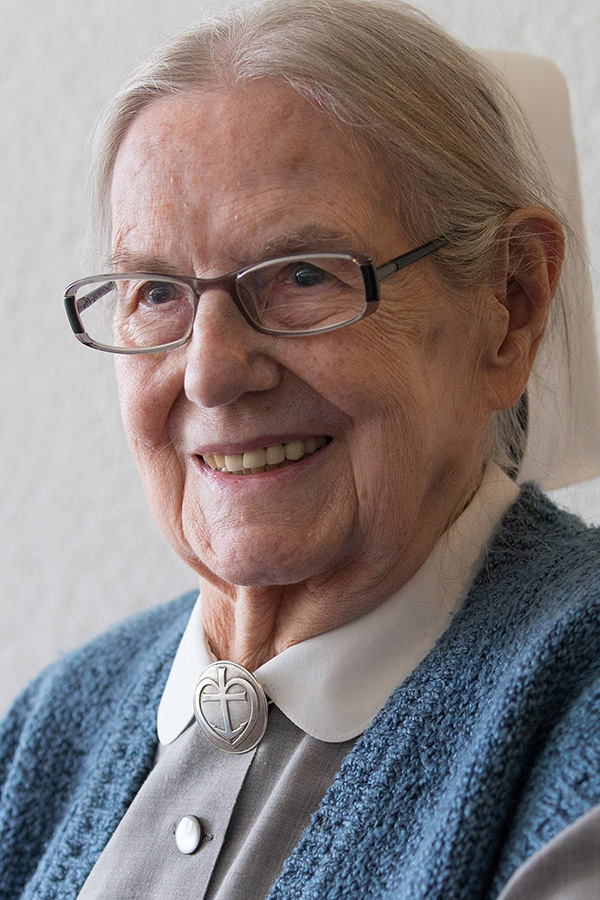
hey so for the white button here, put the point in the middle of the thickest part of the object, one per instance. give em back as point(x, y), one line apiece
point(188, 834)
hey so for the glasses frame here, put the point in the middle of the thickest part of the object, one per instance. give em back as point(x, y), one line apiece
point(372, 276)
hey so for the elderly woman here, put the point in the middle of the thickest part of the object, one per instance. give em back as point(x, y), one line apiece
point(331, 270)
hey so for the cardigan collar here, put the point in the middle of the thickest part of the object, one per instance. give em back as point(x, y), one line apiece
point(334, 684)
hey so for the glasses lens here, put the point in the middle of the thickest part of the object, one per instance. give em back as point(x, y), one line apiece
point(134, 313)
point(304, 293)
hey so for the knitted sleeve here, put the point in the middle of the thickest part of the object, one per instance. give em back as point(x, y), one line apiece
point(11, 728)
point(75, 748)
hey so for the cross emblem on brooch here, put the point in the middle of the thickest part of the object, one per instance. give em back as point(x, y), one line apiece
point(230, 707)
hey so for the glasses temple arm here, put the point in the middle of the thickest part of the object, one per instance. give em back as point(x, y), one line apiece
point(88, 300)
point(394, 265)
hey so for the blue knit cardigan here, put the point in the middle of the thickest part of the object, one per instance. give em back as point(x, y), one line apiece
point(488, 750)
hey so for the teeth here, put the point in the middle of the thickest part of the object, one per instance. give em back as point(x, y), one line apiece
point(265, 459)
point(275, 455)
point(294, 450)
point(254, 459)
point(234, 463)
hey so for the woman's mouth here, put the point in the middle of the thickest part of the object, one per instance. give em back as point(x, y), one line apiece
point(265, 459)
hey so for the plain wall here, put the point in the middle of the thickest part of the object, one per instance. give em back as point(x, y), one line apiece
point(78, 548)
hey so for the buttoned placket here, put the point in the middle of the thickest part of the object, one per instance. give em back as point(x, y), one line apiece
point(183, 783)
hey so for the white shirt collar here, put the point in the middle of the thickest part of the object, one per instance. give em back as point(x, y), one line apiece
point(333, 685)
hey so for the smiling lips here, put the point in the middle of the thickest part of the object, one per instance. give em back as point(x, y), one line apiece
point(265, 459)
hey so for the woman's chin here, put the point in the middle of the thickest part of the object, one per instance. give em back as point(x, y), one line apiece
point(259, 573)
point(265, 564)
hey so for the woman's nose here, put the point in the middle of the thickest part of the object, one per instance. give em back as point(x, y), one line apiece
point(225, 357)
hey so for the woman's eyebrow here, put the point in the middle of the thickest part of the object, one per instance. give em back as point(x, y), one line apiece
point(124, 260)
point(308, 237)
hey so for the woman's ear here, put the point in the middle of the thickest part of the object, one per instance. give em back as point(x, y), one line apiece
point(528, 265)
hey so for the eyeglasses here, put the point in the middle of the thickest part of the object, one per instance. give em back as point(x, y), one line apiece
point(292, 296)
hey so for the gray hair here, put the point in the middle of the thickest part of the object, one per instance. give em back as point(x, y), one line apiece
point(430, 112)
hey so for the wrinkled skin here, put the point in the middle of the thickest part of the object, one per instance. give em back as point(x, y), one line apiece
point(208, 182)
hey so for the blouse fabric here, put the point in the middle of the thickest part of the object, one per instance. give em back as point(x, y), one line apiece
point(253, 808)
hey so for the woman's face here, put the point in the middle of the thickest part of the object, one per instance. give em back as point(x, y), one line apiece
point(206, 183)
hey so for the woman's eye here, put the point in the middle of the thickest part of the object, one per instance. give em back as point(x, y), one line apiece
point(306, 275)
point(158, 293)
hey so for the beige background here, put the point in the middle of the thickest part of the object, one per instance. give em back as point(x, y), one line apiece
point(78, 548)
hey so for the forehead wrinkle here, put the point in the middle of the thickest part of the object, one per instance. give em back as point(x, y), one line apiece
point(280, 228)
point(249, 212)
point(277, 235)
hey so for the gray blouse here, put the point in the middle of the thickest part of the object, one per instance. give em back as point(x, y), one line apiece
point(260, 801)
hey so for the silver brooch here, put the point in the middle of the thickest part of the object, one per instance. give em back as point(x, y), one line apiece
point(230, 707)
